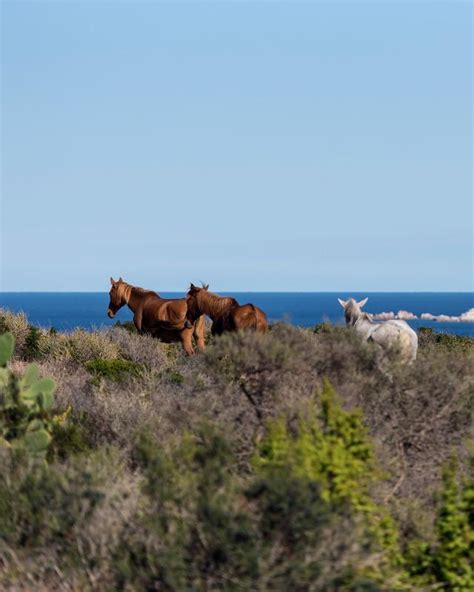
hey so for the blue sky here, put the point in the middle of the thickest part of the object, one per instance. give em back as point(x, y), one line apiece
point(256, 146)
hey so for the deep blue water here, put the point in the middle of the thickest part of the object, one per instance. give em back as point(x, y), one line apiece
point(68, 310)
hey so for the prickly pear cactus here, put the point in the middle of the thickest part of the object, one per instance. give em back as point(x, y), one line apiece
point(7, 345)
point(25, 404)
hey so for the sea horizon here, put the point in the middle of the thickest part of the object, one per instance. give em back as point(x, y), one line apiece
point(87, 309)
point(167, 291)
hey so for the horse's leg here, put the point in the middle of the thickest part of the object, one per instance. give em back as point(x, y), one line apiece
point(234, 320)
point(199, 332)
point(186, 340)
point(137, 321)
point(217, 327)
point(262, 324)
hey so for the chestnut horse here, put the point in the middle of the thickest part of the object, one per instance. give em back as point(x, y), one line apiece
point(164, 318)
point(226, 313)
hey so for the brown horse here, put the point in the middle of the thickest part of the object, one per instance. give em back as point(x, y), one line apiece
point(164, 318)
point(226, 313)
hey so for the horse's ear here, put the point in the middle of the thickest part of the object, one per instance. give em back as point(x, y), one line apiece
point(112, 281)
point(206, 286)
point(342, 303)
point(191, 286)
point(363, 302)
point(120, 279)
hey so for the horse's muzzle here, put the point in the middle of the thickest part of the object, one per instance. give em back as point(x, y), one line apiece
point(110, 314)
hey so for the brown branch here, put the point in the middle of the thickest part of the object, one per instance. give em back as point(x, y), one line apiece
point(400, 480)
point(252, 401)
point(429, 424)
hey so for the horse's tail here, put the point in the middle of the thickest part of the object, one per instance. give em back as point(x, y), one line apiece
point(408, 343)
point(262, 323)
point(259, 319)
point(251, 317)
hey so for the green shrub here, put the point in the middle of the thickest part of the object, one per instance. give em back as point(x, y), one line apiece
point(60, 522)
point(448, 561)
point(114, 370)
point(3, 324)
point(173, 376)
point(330, 448)
point(302, 519)
point(126, 325)
point(304, 544)
point(32, 349)
point(427, 337)
point(192, 533)
point(325, 327)
point(68, 438)
point(42, 503)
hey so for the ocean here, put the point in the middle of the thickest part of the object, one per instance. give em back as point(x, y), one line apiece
point(69, 310)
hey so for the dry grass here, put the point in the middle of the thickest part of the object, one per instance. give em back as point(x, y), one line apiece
point(17, 324)
point(417, 417)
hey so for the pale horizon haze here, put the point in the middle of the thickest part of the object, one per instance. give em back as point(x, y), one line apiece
point(257, 146)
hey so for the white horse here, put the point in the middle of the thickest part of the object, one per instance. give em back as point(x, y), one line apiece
point(388, 335)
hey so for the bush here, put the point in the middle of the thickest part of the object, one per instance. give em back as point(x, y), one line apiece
point(68, 438)
point(83, 347)
point(60, 523)
point(427, 337)
point(224, 471)
point(17, 325)
point(127, 325)
point(330, 448)
point(267, 368)
point(302, 519)
point(141, 349)
point(449, 560)
point(32, 344)
point(191, 533)
point(114, 370)
point(44, 501)
point(27, 418)
point(325, 327)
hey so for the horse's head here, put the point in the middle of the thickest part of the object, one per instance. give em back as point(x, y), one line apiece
point(117, 296)
point(194, 290)
point(352, 309)
point(192, 297)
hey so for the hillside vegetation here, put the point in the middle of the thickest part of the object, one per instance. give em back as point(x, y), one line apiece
point(294, 460)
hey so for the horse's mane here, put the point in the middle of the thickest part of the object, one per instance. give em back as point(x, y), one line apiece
point(216, 305)
point(367, 317)
point(136, 289)
point(144, 291)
